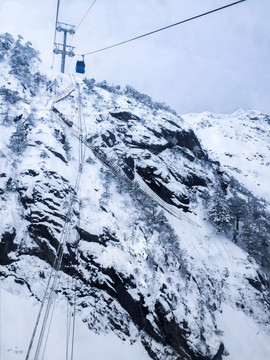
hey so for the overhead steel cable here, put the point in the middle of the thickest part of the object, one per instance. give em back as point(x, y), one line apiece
point(49, 295)
point(161, 29)
point(48, 308)
point(93, 3)
point(79, 24)
point(49, 327)
point(82, 152)
point(56, 21)
point(46, 293)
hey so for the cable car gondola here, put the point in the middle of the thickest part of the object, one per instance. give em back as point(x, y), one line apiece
point(80, 66)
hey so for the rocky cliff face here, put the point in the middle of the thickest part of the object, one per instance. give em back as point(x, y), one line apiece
point(240, 141)
point(113, 192)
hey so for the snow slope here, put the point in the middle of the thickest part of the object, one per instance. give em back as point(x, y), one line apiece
point(240, 141)
point(21, 310)
point(90, 174)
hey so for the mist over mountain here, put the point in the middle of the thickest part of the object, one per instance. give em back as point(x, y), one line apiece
point(150, 227)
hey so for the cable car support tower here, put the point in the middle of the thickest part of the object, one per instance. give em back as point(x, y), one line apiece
point(63, 49)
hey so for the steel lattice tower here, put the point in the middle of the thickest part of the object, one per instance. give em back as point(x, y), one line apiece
point(64, 49)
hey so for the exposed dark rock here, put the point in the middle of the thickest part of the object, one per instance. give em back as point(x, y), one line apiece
point(107, 236)
point(186, 153)
point(86, 236)
point(194, 180)
point(220, 353)
point(128, 167)
point(11, 184)
point(165, 332)
point(60, 136)
point(176, 336)
point(124, 115)
point(161, 190)
point(43, 237)
point(70, 261)
point(31, 172)
point(130, 162)
point(109, 138)
point(182, 138)
point(57, 154)
point(153, 148)
point(17, 118)
point(184, 141)
point(19, 281)
point(256, 283)
point(58, 194)
point(25, 200)
point(54, 207)
point(100, 239)
point(6, 246)
point(172, 123)
point(135, 308)
point(148, 347)
point(63, 117)
point(36, 216)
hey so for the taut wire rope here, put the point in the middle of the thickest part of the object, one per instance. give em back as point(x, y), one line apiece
point(161, 29)
point(79, 24)
point(56, 21)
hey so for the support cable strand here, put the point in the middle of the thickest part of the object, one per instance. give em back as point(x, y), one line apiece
point(50, 294)
point(161, 29)
point(82, 152)
point(52, 272)
point(74, 309)
point(87, 12)
point(56, 21)
point(79, 24)
point(48, 308)
point(68, 320)
point(49, 327)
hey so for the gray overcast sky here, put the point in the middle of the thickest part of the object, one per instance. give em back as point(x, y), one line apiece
point(218, 63)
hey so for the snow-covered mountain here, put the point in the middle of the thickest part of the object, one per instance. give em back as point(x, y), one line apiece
point(240, 142)
point(112, 207)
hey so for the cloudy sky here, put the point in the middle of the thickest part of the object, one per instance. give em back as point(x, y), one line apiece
point(218, 63)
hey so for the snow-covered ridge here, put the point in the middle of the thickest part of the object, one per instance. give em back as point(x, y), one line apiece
point(240, 141)
point(143, 275)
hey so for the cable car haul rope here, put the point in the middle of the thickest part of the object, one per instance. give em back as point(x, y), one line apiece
point(38, 341)
point(163, 28)
point(41, 330)
point(65, 49)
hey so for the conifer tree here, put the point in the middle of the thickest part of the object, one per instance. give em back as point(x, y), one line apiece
point(238, 212)
point(220, 212)
point(18, 140)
